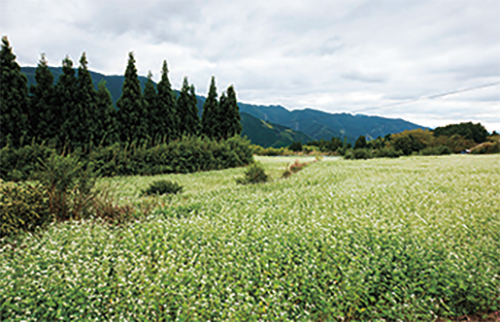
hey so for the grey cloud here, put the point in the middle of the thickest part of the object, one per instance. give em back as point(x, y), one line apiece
point(365, 77)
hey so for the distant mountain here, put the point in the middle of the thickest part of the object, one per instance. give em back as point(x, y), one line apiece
point(322, 125)
point(274, 125)
point(268, 134)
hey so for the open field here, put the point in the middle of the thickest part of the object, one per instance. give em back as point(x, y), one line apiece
point(413, 238)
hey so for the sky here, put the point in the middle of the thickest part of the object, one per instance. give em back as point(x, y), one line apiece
point(431, 62)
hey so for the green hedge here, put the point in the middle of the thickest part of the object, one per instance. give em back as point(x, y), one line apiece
point(189, 154)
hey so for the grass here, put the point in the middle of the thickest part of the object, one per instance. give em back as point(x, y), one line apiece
point(413, 238)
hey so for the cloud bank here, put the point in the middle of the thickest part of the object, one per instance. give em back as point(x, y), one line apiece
point(386, 57)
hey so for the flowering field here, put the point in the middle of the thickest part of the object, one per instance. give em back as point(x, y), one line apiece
point(414, 238)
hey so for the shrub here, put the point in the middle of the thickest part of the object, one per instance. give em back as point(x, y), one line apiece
point(255, 173)
point(388, 153)
point(487, 148)
point(440, 150)
point(296, 146)
point(23, 207)
point(69, 183)
point(162, 187)
point(106, 209)
point(357, 154)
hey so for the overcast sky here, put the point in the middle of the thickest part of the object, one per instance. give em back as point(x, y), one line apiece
point(391, 58)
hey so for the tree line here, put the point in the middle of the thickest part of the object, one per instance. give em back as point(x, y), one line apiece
point(73, 114)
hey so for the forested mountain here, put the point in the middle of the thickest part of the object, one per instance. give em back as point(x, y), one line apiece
point(286, 125)
point(269, 134)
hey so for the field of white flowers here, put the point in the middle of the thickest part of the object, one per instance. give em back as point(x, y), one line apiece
point(413, 238)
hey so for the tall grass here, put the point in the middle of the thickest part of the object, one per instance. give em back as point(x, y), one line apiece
point(396, 239)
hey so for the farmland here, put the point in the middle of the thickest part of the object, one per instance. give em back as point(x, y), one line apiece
point(414, 238)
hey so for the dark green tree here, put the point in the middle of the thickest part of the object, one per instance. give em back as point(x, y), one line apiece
point(106, 114)
point(87, 123)
point(221, 117)
point(188, 111)
point(151, 108)
point(209, 120)
point(132, 118)
point(67, 117)
point(14, 99)
point(470, 131)
point(167, 107)
point(43, 112)
point(360, 142)
point(231, 115)
point(195, 128)
point(296, 146)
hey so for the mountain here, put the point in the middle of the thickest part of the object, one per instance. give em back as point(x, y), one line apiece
point(322, 125)
point(269, 134)
point(274, 125)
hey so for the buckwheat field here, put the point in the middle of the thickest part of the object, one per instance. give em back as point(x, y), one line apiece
point(415, 238)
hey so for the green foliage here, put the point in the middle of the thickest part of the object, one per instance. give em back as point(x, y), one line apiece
point(189, 154)
point(188, 111)
point(210, 126)
point(488, 147)
point(229, 115)
point(440, 150)
point(470, 131)
point(167, 110)
point(14, 100)
point(258, 150)
point(43, 113)
point(162, 187)
point(69, 184)
point(23, 207)
point(360, 142)
point(255, 173)
point(296, 146)
point(67, 116)
point(107, 131)
point(132, 116)
point(327, 146)
point(85, 114)
point(20, 164)
point(358, 154)
point(387, 152)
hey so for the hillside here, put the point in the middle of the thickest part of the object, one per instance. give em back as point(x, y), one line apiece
point(278, 125)
point(268, 134)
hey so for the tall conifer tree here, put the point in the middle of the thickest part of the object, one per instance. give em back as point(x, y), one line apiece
point(186, 103)
point(209, 119)
point(196, 127)
point(107, 131)
point(232, 112)
point(87, 106)
point(14, 99)
point(131, 116)
point(43, 111)
point(151, 107)
point(67, 101)
point(167, 106)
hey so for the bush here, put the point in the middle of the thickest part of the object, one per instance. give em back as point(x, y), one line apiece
point(440, 150)
point(162, 187)
point(255, 173)
point(358, 154)
point(23, 207)
point(388, 153)
point(296, 146)
point(69, 183)
point(487, 148)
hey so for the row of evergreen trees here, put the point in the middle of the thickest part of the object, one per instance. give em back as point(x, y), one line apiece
point(73, 114)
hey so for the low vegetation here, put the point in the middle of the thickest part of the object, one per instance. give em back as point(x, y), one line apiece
point(383, 239)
